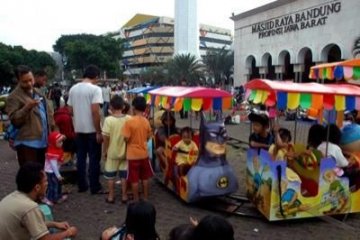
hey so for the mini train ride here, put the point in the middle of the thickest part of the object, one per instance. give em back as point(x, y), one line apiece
point(209, 174)
point(275, 195)
point(320, 189)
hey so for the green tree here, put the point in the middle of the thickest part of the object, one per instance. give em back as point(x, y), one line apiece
point(80, 50)
point(10, 57)
point(356, 48)
point(220, 65)
point(185, 67)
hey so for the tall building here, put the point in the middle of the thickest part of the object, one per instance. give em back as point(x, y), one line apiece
point(186, 27)
point(150, 41)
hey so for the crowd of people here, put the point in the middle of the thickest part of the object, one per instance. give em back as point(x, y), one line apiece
point(46, 135)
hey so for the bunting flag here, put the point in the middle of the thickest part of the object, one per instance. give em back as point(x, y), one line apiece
point(207, 104)
point(252, 95)
point(317, 101)
point(348, 70)
point(348, 73)
point(293, 100)
point(178, 104)
point(281, 100)
point(271, 100)
point(196, 104)
point(217, 104)
point(350, 103)
point(227, 103)
point(258, 96)
point(305, 100)
point(164, 101)
point(157, 100)
point(340, 103)
point(329, 101)
point(187, 104)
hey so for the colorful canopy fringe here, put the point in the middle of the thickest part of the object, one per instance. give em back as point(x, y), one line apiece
point(190, 98)
point(194, 104)
point(288, 95)
point(285, 100)
point(348, 70)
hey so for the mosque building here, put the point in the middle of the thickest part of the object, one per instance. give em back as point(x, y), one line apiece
point(283, 39)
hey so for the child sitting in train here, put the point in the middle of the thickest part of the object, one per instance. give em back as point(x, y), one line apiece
point(331, 148)
point(260, 138)
point(187, 151)
point(283, 149)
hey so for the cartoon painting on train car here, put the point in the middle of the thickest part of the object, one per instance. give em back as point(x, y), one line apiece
point(277, 191)
point(334, 189)
point(259, 180)
point(274, 188)
point(287, 200)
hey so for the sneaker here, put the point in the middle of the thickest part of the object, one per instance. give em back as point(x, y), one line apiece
point(47, 202)
point(62, 199)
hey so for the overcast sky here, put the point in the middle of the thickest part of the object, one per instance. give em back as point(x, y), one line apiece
point(37, 24)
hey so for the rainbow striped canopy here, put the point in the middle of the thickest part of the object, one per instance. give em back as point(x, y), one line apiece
point(348, 70)
point(190, 98)
point(289, 95)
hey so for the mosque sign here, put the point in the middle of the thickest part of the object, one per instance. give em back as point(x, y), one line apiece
point(305, 19)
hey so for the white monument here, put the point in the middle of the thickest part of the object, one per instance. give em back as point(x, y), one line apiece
point(186, 27)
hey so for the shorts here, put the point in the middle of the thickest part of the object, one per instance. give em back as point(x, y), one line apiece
point(139, 170)
point(112, 175)
point(115, 166)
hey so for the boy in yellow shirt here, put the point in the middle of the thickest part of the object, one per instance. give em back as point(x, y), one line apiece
point(114, 147)
point(187, 151)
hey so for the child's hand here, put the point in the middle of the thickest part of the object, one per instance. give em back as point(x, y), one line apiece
point(61, 179)
point(62, 225)
point(194, 221)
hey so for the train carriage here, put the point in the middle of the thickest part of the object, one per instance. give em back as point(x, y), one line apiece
point(210, 175)
point(320, 188)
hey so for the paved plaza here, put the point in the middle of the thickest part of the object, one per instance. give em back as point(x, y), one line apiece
point(91, 214)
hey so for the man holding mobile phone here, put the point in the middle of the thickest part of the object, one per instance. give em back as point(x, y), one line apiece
point(30, 113)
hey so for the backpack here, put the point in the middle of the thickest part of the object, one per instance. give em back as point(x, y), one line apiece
point(10, 133)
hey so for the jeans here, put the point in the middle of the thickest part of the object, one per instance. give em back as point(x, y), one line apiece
point(106, 108)
point(87, 146)
point(54, 190)
point(29, 154)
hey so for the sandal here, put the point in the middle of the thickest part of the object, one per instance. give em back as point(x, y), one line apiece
point(109, 201)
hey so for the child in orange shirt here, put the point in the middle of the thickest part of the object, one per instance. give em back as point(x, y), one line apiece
point(137, 132)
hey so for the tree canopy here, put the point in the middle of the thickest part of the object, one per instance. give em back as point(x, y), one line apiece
point(185, 67)
point(80, 50)
point(12, 56)
point(220, 64)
